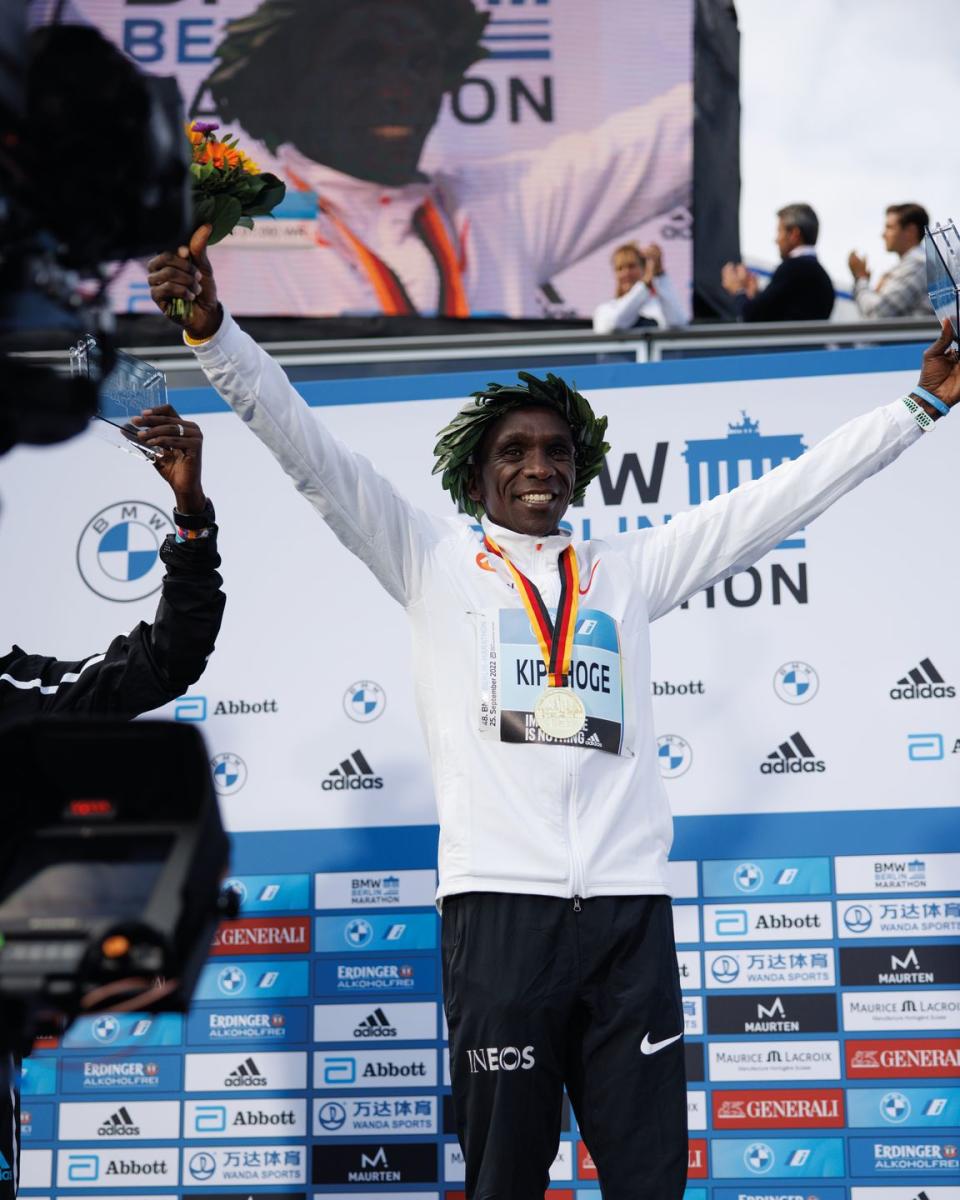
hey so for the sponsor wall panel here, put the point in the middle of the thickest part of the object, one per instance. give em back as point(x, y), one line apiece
point(808, 900)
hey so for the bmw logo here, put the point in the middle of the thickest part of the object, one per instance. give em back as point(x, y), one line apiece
point(674, 756)
point(796, 682)
point(758, 1158)
point(238, 886)
point(364, 701)
point(229, 773)
point(724, 968)
point(748, 877)
point(331, 1116)
point(857, 918)
point(895, 1107)
point(202, 1166)
point(118, 554)
point(358, 933)
point(105, 1029)
point(231, 980)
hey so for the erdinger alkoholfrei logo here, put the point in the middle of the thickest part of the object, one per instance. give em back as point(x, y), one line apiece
point(923, 682)
point(674, 755)
point(796, 682)
point(364, 701)
point(229, 773)
point(792, 757)
point(118, 554)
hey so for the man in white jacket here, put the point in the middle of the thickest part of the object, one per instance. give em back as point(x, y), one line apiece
point(532, 681)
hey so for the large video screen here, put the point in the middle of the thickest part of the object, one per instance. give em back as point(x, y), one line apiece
point(460, 158)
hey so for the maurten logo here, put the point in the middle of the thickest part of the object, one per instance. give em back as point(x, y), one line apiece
point(119, 1124)
point(246, 1074)
point(353, 773)
point(792, 757)
point(118, 554)
point(922, 682)
point(377, 1025)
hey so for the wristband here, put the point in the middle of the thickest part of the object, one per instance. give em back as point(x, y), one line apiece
point(191, 526)
point(924, 420)
point(932, 400)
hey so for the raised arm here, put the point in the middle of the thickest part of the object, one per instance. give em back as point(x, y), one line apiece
point(362, 508)
point(727, 534)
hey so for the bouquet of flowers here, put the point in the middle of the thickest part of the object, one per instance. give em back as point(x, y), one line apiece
point(229, 189)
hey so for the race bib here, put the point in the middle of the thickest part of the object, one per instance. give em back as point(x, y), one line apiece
point(512, 676)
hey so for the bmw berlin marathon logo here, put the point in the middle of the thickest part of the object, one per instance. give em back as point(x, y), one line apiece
point(118, 554)
point(364, 701)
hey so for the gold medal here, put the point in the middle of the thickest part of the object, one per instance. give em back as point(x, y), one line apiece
point(560, 713)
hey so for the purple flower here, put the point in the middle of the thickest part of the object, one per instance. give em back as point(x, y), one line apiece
point(204, 126)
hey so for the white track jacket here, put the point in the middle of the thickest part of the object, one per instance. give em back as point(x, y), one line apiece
point(517, 815)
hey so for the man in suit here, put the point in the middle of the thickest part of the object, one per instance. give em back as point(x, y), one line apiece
point(800, 289)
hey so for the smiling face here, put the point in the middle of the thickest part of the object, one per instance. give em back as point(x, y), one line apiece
point(526, 471)
point(627, 269)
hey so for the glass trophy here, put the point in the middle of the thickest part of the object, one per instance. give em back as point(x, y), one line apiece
point(942, 245)
point(131, 386)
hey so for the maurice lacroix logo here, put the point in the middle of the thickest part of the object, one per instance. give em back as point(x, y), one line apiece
point(118, 554)
point(674, 755)
point(792, 757)
point(923, 682)
point(353, 774)
point(796, 682)
point(364, 701)
point(229, 773)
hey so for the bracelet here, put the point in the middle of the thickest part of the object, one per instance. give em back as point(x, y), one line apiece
point(191, 535)
point(932, 400)
point(923, 419)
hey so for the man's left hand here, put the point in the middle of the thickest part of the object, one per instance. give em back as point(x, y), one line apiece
point(940, 373)
point(181, 441)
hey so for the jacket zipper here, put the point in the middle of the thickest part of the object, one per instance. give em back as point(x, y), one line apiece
point(571, 764)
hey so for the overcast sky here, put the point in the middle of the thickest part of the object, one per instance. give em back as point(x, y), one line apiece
point(849, 105)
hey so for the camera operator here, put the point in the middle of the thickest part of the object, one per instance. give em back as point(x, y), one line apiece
point(139, 671)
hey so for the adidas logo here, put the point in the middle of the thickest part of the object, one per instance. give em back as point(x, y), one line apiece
point(922, 682)
point(119, 1124)
point(792, 757)
point(246, 1075)
point(594, 740)
point(353, 773)
point(377, 1025)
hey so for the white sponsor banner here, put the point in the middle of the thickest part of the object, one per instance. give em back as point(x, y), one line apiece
point(693, 1014)
point(143, 1166)
point(36, 1169)
point(454, 1169)
point(447, 1082)
point(254, 1071)
point(375, 1024)
point(696, 1110)
point(375, 889)
point(371, 1068)
point(253, 1117)
point(688, 964)
point(897, 872)
point(686, 923)
point(349, 1116)
point(780, 967)
point(767, 1061)
point(786, 922)
point(899, 1009)
point(924, 916)
point(123, 1119)
point(249, 1166)
point(682, 880)
point(905, 1191)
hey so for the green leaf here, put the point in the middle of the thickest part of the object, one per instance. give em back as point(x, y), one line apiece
point(246, 222)
point(226, 214)
point(203, 207)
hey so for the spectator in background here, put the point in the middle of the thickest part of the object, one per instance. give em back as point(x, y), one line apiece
point(645, 293)
point(902, 292)
point(800, 289)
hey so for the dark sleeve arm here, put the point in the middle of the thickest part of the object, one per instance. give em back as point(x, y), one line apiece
point(139, 671)
point(769, 304)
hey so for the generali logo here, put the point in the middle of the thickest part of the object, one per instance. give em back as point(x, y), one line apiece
point(796, 1108)
point(697, 1158)
point(263, 935)
point(905, 1058)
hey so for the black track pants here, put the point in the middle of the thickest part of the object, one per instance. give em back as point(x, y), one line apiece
point(539, 995)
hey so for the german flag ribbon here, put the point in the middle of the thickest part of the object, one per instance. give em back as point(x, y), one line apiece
point(555, 638)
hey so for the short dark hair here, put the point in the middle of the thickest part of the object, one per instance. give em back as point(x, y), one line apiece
point(249, 82)
point(911, 213)
point(802, 217)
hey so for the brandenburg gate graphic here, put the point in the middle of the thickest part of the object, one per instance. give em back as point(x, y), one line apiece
point(720, 461)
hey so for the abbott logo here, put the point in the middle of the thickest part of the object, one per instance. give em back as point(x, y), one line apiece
point(340, 1072)
point(731, 922)
point(210, 1118)
point(83, 1168)
point(925, 747)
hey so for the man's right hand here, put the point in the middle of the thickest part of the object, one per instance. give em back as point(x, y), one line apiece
point(186, 274)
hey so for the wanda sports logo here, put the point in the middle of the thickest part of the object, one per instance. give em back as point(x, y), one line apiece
point(903, 1058)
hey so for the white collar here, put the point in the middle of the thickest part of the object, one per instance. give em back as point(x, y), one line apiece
point(803, 252)
point(346, 191)
point(526, 551)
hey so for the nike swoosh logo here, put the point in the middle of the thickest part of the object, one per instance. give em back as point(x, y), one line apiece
point(648, 1047)
point(583, 591)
